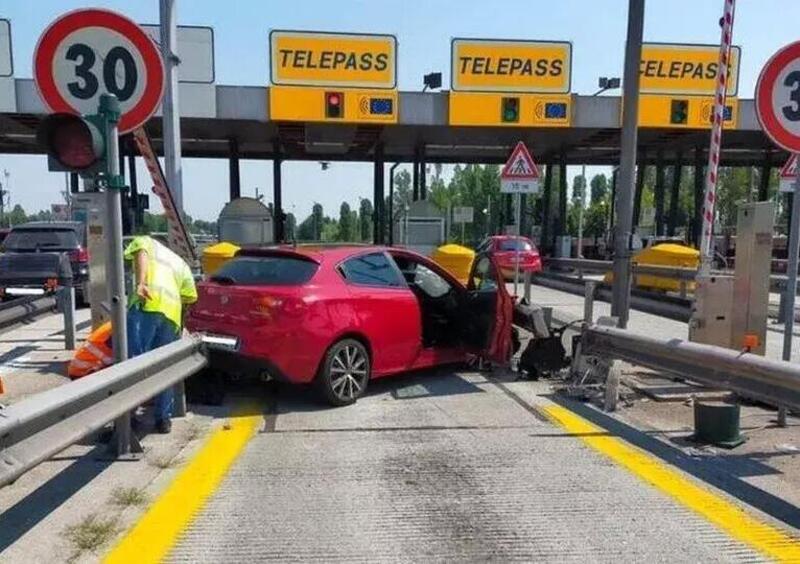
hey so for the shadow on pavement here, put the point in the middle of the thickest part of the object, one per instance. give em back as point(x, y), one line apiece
point(718, 471)
point(29, 511)
point(16, 353)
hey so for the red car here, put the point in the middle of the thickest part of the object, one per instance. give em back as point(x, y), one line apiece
point(340, 316)
point(504, 249)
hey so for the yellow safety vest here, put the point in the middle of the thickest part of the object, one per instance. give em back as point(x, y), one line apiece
point(169, 280)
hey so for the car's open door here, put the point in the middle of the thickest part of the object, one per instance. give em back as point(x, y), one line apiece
point(489, 310)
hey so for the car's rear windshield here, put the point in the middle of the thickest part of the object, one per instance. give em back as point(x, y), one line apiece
point(266, 270)
point(515, 245)
point(33, 239)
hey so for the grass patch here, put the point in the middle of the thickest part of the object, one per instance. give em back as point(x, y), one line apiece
point(126, 497)
point(90, 534)
point(164, 461)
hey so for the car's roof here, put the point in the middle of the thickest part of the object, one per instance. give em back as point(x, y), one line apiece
point(74, 225)
point(322, 252)
point(506, 237)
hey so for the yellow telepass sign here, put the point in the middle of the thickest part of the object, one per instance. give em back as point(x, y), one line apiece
point(668, 68)
point(494, 65)
point(304, 58)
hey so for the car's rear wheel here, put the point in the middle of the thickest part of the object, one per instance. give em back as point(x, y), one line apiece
point(344, 374)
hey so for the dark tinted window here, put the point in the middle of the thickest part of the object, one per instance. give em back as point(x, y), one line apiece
point(514, 245)
point(266, 270)
point(371, 270)
point(32, 239)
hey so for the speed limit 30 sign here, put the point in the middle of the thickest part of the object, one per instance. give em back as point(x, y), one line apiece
point(778, 98)
point(86, 53)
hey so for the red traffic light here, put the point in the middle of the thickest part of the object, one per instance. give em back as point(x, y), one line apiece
point(73, 142)
point(334, 103)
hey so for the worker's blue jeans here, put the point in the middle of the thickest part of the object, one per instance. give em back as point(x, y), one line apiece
point(148, 330)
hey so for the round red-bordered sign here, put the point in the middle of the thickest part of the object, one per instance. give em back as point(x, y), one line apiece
point(778, 98)
point(86, 53)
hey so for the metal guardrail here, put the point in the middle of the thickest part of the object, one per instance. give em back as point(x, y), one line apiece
point(776, 282)
point(25, 308)
point(41, 426)
point(773, 382)
point(672, 307)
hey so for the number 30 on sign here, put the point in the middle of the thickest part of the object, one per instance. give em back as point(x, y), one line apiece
point(86, 53)
point(778, 98)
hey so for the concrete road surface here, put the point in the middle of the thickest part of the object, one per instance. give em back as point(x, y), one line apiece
point(452, 466)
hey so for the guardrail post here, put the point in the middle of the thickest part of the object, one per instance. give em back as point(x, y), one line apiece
point(179, 393)
point(67, 304)
point(612, 386)
point(526, 291)
point(588, 302)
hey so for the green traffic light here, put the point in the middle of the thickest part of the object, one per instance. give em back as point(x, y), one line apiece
point(679, 112)
point(510, 110)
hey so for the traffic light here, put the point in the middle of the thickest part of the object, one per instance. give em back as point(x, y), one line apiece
point(679, 112)
point(334, 105)
point(73, 143)
point(509, 110)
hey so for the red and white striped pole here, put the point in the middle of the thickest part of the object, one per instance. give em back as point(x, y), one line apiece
point(710, 197)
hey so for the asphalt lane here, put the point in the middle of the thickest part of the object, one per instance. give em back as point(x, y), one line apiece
point(452, 466)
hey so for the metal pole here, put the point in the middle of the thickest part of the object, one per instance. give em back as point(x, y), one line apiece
point(579, 249)
point(526, 290)
point(791, 273)
point(68, 309)
point(677, 173)
point(621, 291)
point(115, 273)
point(588, 301)
point(169, 105)
point(710, 192)
point(544, 244)
point(234, 178)
point(391, 203)
point(518, 244)
point(277, 198)
point(377, 206)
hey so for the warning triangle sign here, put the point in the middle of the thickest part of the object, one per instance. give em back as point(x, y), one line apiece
point(789, 170)
point(520, 165)
point(788, 174)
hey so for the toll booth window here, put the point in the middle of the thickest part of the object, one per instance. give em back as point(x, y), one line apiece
point(265, 271)
point(483, 277)
point(371, 270)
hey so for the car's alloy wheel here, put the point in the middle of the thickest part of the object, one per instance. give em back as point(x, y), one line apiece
point(345, 373)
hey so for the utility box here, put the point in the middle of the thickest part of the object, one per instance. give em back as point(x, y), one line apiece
point(754, 228)
point(711, 322)
point(90, 208)
point(731, 311)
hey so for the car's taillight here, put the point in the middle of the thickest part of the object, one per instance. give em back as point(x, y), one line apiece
point(265, 306)
point(79, 255)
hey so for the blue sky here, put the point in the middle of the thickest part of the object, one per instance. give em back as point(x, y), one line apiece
point(424, 28)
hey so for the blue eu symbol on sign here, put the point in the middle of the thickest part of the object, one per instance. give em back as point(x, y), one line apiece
point(555, 110)
point(381, 106)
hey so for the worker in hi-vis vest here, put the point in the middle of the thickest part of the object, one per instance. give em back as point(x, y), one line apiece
point(163, 284)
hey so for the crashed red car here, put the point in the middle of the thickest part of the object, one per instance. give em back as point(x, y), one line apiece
point(507, 249)
point(341, 316)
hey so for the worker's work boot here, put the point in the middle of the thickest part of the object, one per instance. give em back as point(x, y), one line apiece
point(164, 426)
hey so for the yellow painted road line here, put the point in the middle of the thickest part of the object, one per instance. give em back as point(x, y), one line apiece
point(757, 534)
point(159, 528)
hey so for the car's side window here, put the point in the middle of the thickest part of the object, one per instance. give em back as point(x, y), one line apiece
point(429, 282)
point(371, 270)
point(483, 276)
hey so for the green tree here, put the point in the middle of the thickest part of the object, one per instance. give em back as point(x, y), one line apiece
point(599, 188)
point(291, 226)
point(317, 221)
point(16, 215)
point(365, 212)
point(347, 224)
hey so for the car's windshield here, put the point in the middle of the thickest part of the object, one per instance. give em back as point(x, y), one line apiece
point(33, 239)
point(515, 245)
point(265, 270)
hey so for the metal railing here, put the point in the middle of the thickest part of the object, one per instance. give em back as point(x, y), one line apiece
point(27, 308)
point(41, 426)
point(777, 282)
point(773, 382)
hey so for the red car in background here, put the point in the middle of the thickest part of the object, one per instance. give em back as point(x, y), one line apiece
point(340, 316)
point(505, 248)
